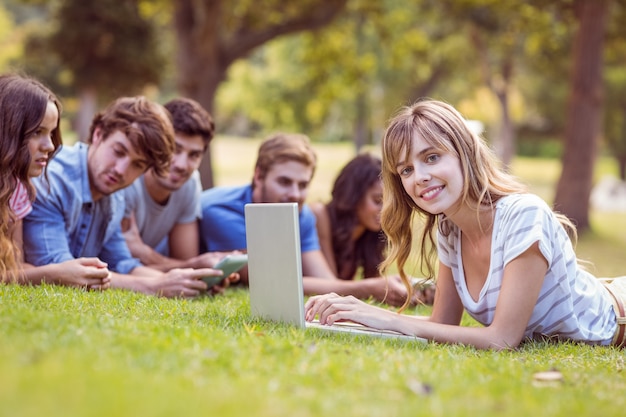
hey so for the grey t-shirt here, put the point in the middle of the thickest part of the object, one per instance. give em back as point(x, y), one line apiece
point(155, 221)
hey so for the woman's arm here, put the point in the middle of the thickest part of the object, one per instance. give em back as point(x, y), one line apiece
point(521, 284)
point(324, 233)
point(83, 272)
point(333, 307)
point(447, 306)
point(523, 278)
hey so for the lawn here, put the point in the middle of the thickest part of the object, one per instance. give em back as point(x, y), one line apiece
point(66, 352)
point(71, 353)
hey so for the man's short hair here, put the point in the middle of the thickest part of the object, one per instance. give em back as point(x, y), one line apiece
point(190, 118)
point(284, 147)
point(147, 126)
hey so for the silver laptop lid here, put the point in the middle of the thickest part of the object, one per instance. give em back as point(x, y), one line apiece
point(274, 262)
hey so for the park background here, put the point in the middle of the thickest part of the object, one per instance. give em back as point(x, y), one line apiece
point(546, 78)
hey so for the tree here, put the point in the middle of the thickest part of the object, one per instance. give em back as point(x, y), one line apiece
point(355, 73)
point(497, 42)
point(584, 112)
point(615, 118)
point(212, 34)
point(547, 60)
point(615, 81)
point(109, 49)
point(500, 33)
point(9, 48)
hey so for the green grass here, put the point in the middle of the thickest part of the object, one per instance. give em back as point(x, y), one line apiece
point(66, 352)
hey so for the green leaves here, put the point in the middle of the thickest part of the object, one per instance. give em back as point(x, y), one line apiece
point(107, 45)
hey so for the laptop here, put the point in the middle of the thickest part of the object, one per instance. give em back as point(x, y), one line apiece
point(275, 271)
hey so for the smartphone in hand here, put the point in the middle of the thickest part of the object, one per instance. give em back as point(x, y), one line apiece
point(228, 264)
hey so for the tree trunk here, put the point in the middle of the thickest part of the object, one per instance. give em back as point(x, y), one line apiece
point(87, 108)
point(584, 113)
point(621, 164)
point(198, 62)
point(360, 123)
point(621, 157)
point(207, 45)
point(426, 88)
point(499, 84)
point(505, 139)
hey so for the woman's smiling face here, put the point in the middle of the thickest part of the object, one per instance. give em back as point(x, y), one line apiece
point(432, 177)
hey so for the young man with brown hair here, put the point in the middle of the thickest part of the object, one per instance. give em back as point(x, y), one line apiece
point(162, 211)
point(78, 212)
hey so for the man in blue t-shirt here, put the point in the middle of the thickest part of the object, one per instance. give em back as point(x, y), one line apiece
point(284, 169)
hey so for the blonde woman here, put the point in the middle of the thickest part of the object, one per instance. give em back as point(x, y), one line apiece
point(504, 256)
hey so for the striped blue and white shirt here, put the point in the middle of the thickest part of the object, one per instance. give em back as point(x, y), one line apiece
point(572, 303)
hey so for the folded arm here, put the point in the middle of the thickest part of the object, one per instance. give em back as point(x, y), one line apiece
point(523, 278)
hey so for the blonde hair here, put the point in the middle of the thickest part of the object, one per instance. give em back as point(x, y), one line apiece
point(485, 182)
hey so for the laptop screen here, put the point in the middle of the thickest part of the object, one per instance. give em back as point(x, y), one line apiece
point(274, 262)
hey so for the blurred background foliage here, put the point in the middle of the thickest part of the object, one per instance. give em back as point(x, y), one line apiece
point(372, 58)
point(333, 69)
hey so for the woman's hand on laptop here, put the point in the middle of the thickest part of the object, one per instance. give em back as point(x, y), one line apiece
point(332, 308)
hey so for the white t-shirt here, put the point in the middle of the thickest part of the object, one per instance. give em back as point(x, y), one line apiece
point(155, 221)
point(572, 303)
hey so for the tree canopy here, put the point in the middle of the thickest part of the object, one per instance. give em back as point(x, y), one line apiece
point(338, 69)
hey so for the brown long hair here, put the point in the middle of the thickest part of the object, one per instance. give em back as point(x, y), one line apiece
point(349, 190)
point(485, 182)
point(23, 103)
point(442, 126)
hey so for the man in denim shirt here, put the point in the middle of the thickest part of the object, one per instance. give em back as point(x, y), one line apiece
point(77, 212)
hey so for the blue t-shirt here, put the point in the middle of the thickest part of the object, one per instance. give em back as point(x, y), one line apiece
point(223, 224)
